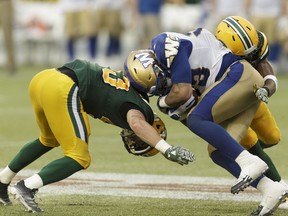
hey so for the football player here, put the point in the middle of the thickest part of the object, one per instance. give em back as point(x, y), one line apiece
point(62, 99)
point(241, 37)
point(200, 63)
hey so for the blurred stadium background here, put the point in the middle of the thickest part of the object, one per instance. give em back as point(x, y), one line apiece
point(40, 42)
point(40, 37)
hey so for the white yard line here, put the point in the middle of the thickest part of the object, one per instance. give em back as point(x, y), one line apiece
point(144, 185)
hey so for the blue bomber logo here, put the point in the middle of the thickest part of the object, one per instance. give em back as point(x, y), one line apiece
point(171, 48)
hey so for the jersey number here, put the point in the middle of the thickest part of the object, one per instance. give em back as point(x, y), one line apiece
point(115, 79)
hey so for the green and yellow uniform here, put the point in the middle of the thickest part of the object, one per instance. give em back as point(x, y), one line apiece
point(62, 99)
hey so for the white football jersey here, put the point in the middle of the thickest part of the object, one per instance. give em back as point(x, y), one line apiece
point(205, 56)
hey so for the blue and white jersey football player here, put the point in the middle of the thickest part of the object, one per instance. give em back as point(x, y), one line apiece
point(199, 62)
point(196, 58)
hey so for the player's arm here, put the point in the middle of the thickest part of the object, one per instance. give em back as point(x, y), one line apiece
point(142, 128)
point(267, 72)
point(148, 134)
point(178, 102)
point(178, 94)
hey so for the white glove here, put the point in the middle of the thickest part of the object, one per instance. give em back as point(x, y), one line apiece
point(181, 112)
point(262, 94)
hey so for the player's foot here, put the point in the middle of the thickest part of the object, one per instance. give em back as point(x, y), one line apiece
point(274, 195)
point(254, 167)
point(26, 196)
point(284, 204)
point(4, 197)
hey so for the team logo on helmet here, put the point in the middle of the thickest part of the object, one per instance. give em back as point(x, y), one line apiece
point(144, 73)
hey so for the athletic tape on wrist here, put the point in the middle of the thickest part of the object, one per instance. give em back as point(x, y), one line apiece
point(162, 146)
point(272, 77)
point(162, 102)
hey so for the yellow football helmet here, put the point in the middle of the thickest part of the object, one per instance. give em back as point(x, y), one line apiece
point(144, 72)
point(263, 44)
point(239, 35)
point(134, 145)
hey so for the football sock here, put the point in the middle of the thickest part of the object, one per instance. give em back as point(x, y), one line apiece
point(6, 175)
point(214, 134)
point(264, 145)
point(272, 172)
point(58, 170)
point(33, 182)
point(27, 154)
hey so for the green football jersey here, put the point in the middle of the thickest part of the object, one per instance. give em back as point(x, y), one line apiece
point(106, 93)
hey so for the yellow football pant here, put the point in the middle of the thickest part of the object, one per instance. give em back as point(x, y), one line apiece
point(59, 114)
point(263, 127)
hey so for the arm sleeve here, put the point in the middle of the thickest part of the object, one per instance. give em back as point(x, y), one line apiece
point(128, 106)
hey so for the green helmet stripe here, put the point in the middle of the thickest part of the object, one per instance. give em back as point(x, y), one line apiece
point(244, 37)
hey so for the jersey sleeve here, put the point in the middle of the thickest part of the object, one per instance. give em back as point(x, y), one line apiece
point(158, 46)
point(180, 68)
point(173, 55)
point(125, 107)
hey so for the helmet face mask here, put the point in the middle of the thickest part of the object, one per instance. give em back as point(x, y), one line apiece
point(144, 72)
point(239, 35)
point(134, 145)
point(163, 83)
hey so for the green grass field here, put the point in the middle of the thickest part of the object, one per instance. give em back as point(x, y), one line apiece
point(108, 155)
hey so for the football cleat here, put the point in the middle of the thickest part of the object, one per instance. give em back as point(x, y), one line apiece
point(273, 197)
point(284, 204)
point(4, 198)
point(26, 196)
point(241, 184)
point(254, 169)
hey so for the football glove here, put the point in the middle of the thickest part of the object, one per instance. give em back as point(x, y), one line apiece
point(262, 94)
point(179, 155)
point(181, 112)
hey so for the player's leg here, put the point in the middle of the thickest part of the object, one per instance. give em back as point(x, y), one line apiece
point(227, 99)
point(266, 127)
point(68, 127)
point(251, 143)
point(29, 152)
point(273, 193)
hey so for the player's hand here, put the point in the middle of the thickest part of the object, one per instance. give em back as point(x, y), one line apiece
point(163, 109)
point(179, 155)
point(262, 94)
point(180, 112)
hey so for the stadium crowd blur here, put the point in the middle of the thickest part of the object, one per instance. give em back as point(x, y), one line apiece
point(49, 32)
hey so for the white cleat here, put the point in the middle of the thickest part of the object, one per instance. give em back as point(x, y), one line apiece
point(254, 168)
point(274, 195)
